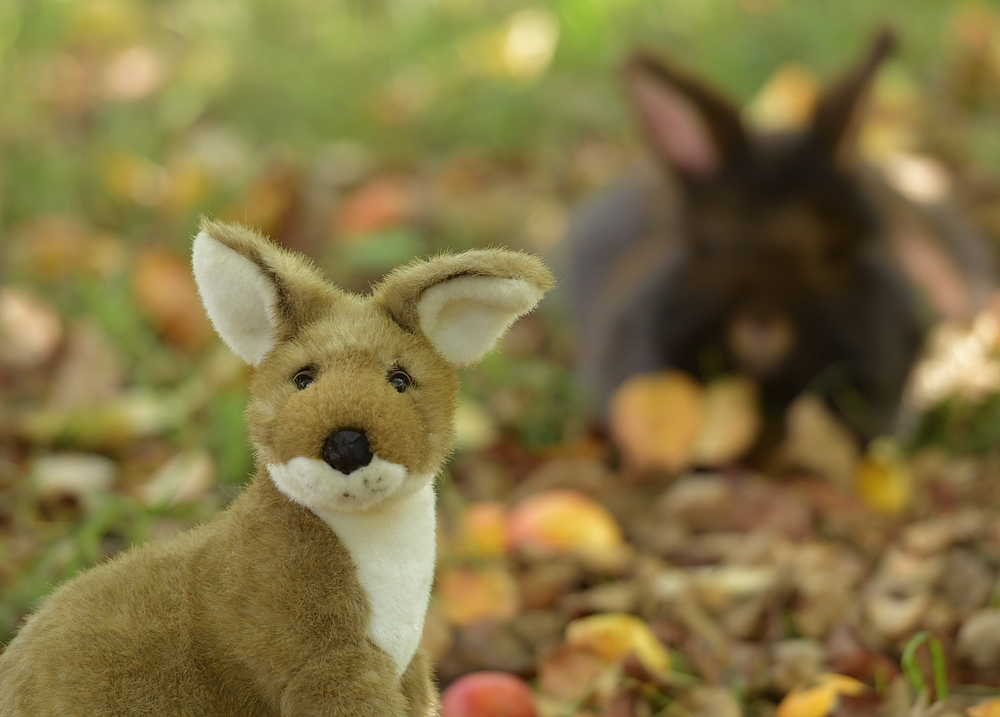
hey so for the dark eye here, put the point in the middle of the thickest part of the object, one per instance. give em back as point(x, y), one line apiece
point(399, 380)
point(303, 379)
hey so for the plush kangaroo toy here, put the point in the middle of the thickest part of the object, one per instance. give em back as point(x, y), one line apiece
point(306, 597)
point(776, 256)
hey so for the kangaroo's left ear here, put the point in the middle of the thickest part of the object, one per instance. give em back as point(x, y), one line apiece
point(464, 303)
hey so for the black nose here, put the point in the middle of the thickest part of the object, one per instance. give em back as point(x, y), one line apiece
point(346, 451)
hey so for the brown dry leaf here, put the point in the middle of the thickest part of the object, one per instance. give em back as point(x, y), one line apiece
point(818, 697)
point(90, 372)
point(571, 673)
point(730, 422)
point(817, 441)
point(30, 329)
point(380, 204)
point(51, 247)
point(164, 289)
point(991, 708)
point(470, 595)
point(560, 522)
point(786, 102)
point(614, 636)
point(883, 478)
point(655, 419)
point(272, 201)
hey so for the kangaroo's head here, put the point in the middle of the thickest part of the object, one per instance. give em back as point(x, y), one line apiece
point(353, 397)
point(775, 225)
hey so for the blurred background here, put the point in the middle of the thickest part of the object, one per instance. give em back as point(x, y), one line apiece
point(367, 132)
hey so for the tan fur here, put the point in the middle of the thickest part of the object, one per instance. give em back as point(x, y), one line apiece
point(260, 612)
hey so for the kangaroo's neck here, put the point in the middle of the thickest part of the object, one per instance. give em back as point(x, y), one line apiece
point(393, 549)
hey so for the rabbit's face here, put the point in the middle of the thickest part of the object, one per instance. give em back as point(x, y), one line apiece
point(774, 237)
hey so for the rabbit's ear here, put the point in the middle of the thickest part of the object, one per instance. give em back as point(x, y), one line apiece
point(464, 303)
point(256, 293)
point(692, 127)
point(839, 110)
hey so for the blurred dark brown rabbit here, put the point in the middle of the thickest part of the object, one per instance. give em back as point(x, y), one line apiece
point(777, 256)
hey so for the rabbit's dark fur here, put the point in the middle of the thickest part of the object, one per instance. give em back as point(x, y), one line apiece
point(775, 256)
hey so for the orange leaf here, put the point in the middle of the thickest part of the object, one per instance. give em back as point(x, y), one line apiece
point(165, 291)
point(468, 595)
point(655, 419)
point(380, 204)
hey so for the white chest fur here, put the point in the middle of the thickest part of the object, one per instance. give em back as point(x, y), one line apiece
point(394, 551)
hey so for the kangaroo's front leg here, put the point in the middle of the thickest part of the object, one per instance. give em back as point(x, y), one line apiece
point(355, 682)
point(419, 688)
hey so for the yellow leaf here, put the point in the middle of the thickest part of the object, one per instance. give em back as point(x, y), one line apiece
point(883, 479)
point(613, 636)
point(818, 696)
point(560, 522)
point(991, 708)
point(655, 419)
point(730, 424)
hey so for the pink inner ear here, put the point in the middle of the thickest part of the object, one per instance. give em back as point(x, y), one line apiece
point(674, 126)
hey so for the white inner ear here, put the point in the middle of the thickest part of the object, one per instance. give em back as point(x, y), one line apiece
point(465, 316)
point(238, 297)
point(675, 126)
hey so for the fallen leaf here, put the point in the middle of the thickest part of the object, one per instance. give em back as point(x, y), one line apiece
point(730, 422)
point(817, 441)
point(30, 329)
point(655, 419)
point(469, 595)
point(990, 708)
point(484, 530)
point(614, 636)
point(90, 372)
point(883, 479)
point(572, 673)
point(73, 473)
point(382, 203)
point(818, 696)
point(185, 478)
point(560, 522)
point(164, 289)
point(474, 426)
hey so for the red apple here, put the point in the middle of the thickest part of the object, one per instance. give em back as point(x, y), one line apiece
point(488, 694)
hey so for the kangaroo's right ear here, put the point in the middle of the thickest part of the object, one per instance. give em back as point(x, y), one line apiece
point(256, 293)
point(691, 126)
